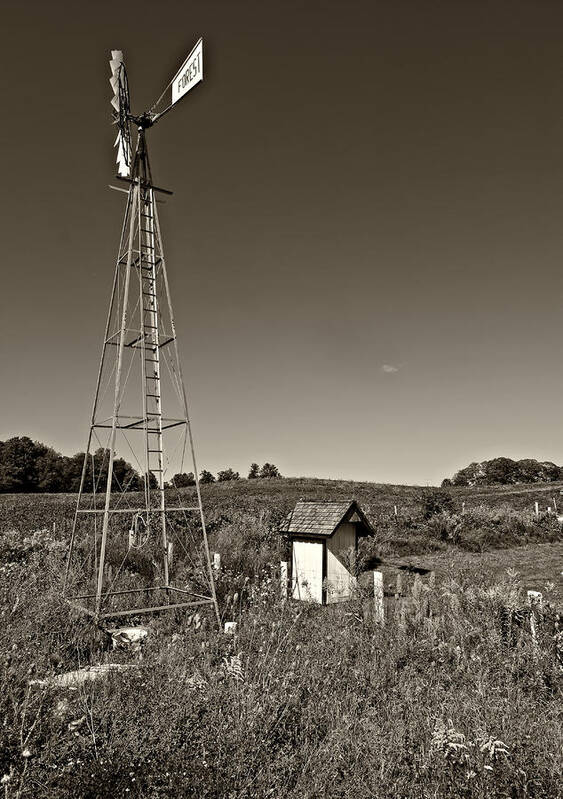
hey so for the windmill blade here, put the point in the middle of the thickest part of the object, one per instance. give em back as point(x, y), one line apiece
point(120, 103)
point(123, 159)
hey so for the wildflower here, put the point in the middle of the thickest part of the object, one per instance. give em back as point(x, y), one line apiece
point(233, 667)
point(493, 747)
point(449, 742)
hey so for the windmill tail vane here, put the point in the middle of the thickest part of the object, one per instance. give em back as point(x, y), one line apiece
point(138, 545)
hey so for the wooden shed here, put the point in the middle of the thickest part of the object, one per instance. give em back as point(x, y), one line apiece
point(322, 535)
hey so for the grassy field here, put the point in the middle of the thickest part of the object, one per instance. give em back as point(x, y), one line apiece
point(536, 566)
point(443, 700)
point(31, 511)
point(536, 555)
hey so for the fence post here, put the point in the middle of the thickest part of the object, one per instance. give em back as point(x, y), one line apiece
point(283, 579)
point(537, 508)
point(170, 552)
point(399, 586)
point(535, 600)
point(462, 508)
point(217, 561)
point(395, 511)
point(378, 608)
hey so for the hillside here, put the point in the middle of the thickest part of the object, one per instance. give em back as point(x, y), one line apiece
point(243, 515)
point(33, 511)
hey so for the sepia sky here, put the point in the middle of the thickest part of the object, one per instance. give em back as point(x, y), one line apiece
point(365, 239)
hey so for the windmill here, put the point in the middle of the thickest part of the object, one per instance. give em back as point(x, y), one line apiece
point(136, 545)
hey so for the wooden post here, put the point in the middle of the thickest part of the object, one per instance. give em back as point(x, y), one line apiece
point(378, 608)
point(537, 508)
point(395, 511)
point(462, 508)
point(217, 561)
point(170, 552)
point(535, 600)
point(283, 579)
point(554, 504)
point(399, 586)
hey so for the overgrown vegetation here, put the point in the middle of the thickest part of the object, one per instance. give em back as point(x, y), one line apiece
point(301, 701)
point(441, 701)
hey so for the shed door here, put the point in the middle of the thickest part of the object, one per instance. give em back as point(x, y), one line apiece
point(307, 580)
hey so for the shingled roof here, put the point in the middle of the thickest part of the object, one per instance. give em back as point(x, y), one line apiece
point(322, 518)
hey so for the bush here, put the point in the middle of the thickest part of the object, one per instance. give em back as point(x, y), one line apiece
point(183, 480)
point(227, 474)
point(435, 500)
point(269, 470)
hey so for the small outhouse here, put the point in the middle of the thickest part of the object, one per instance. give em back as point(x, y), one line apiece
point(322, 537)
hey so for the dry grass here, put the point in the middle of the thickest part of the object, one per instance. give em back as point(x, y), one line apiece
point(307, 701)
point(537, 566)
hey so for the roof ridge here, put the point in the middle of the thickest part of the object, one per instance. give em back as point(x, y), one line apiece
point(327, 501)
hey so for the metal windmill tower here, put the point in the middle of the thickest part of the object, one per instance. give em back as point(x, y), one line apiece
point(133, 553)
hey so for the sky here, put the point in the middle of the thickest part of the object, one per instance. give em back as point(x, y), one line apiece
point(364, 241)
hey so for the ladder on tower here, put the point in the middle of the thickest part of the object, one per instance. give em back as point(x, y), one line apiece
point(150, 338)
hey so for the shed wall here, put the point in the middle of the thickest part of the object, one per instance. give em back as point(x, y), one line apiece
point(340, 582)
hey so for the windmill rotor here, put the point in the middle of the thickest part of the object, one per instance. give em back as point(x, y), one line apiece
point(121, 112)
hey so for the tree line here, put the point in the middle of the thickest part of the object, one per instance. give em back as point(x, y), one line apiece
point(506, 472)
point(28, 466)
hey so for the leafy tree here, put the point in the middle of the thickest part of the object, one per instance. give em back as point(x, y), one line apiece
point(50, 471)
point(549, 472)
point(73, 473)
point(183, 480)
point(17, 467)
point(254, 471)
point(206, 477)
point(501, 470)
point(227, 474)
point(474, 474)
point(30, 466)
point(506, 471)
point(124, 477)
point(447, 483)
point(269, 470)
